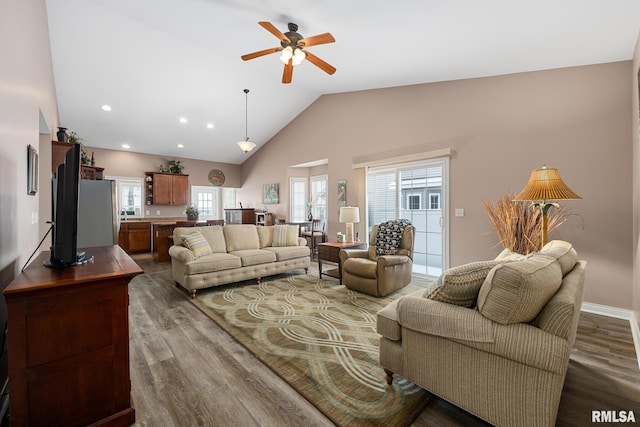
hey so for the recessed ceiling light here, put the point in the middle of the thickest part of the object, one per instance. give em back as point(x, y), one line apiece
point(209, 125)
point(105, 107)
point(183, 120)
point(125, 146)
point(180, 146)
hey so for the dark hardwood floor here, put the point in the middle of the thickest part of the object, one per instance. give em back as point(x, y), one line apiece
point(186, 371)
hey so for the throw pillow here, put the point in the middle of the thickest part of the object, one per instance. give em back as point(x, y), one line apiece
point(388, 236)
point(460, 285)
point(197, 244)
point(516, 291)
point(285, 235)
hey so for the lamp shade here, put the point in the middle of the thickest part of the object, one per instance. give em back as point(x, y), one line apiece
point(246, 145)
point(546, 184)
point(349, 214)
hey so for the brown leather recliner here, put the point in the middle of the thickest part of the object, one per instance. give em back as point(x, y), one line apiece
point(378, 275)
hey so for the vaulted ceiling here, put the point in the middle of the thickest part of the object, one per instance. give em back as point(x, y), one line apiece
point(156, 61)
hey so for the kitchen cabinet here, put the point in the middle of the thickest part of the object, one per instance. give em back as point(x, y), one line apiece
point(166, 188)
point(59, 151)
point(240, 216)
point(91, 172)
point(135, 236)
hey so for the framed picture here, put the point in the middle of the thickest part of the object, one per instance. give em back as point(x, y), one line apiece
point(342, 193)
point(32, 171)
point(270, 194)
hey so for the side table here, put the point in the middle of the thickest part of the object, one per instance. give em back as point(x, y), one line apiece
point(330, 251)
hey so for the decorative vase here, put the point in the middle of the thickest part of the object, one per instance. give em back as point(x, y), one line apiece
point(310, 216)
point(62, 134)
point(192, 217)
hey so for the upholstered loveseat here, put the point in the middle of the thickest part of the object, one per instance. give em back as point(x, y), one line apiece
point(503, 356)
point(203, 257)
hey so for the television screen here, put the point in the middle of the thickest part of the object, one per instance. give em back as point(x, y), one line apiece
point(64, 210)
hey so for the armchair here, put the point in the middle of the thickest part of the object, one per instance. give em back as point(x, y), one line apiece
point(508, 371)
point(378, 275)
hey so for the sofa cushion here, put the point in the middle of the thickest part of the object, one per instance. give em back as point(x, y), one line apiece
point(285, 235)
point(460, 285)
point(197, 244)
point(508, 255)
point(265, 236)
point(563, 252)
point(289, 252)
point(516, 291)
point(254, 256)
point(215, 237)
point(212, 262)
point(240, 237)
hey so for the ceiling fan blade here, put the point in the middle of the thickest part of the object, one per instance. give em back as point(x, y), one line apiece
point(253, 55)
point(319, 39)
point(288, 72)
point(273, 30)
point(329, 69)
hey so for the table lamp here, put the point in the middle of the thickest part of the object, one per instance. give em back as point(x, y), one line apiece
point(349, 215)
point(544, 186)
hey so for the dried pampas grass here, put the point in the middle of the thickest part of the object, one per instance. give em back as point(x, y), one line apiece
point(519, 224)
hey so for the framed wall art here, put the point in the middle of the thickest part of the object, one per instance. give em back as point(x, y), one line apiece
point(32, 171)
point(342, 193)
point(270, 194)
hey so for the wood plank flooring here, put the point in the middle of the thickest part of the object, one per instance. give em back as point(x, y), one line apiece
point(186, 371)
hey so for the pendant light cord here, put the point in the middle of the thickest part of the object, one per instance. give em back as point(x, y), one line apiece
point(246, 114)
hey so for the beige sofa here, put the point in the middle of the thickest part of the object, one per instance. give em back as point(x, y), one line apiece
point(504, 360)
point(238, 252)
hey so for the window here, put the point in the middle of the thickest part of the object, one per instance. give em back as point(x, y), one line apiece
point(298, 198)
point(211, 201)
point(434, 200)
point(128, 196)
point(414, 201)
point(413, 191)
point(319, 196)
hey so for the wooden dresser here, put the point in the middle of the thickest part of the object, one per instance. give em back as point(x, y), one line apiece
point(69, 342)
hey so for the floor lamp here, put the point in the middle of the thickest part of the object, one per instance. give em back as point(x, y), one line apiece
point(349, 215)
point(544, 186)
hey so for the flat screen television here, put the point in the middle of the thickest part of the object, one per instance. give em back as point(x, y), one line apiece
point(64, 211)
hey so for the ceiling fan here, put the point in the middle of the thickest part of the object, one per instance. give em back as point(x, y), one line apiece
point(293, 47)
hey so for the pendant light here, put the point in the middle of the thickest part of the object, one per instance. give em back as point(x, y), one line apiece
point(246, 145)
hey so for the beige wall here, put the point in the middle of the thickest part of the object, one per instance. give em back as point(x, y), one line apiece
point(27, 109)
point(130, 164)
point(635, 121)
point(576, 119)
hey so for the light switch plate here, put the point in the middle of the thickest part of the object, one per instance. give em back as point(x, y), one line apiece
point(460, 212)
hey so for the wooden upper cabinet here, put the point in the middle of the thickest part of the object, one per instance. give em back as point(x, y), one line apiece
point(166, 188)
point(58, 152)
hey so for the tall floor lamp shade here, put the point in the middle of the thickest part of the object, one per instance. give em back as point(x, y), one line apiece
point(349, 215)
point(545, 186)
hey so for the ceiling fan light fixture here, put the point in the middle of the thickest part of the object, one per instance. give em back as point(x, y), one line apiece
point(287, 54)
point(298, 57)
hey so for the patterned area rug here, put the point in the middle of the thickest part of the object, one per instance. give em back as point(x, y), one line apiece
point(321, 338)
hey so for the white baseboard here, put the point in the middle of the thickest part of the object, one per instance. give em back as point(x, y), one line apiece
point(618, 313)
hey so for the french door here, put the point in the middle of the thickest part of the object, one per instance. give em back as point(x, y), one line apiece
point(416, 191)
